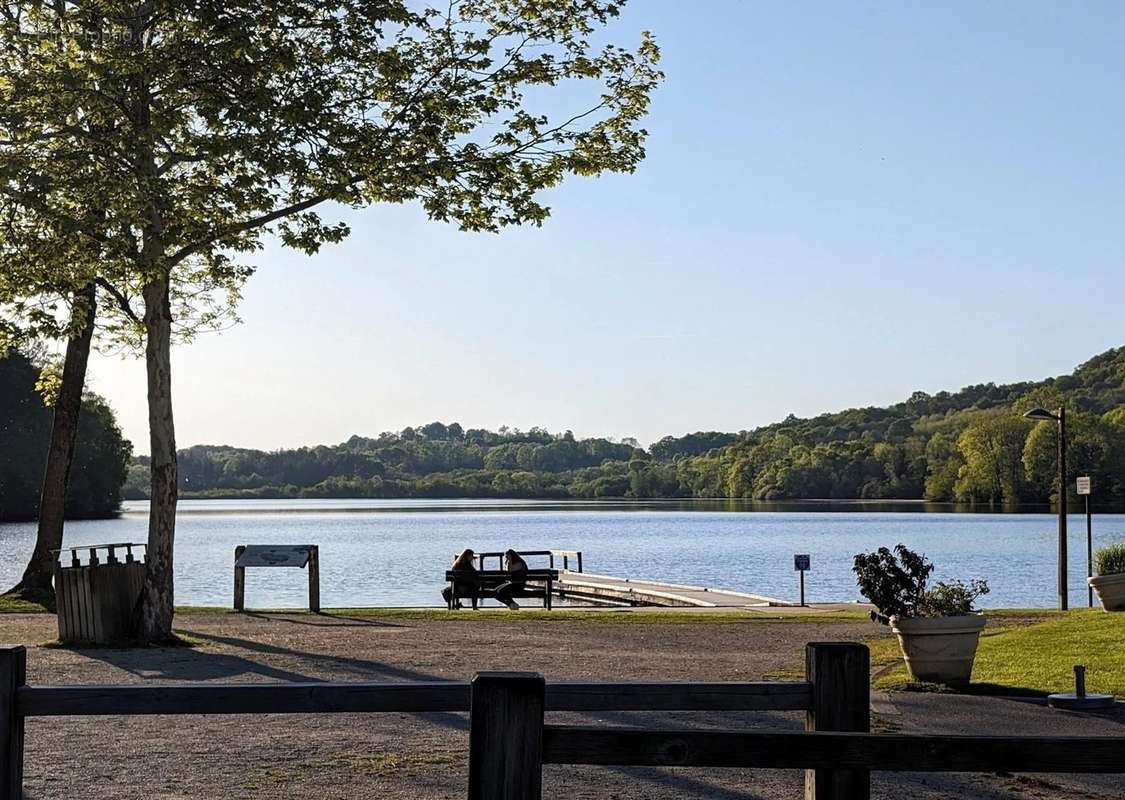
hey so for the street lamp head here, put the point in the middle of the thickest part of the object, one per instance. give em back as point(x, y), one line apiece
point(1041, 414)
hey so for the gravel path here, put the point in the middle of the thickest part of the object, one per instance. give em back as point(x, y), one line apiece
point(399, 756)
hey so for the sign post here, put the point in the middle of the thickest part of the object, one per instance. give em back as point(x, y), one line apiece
point(1084, 490)
point(277, 555)
point(800, 564)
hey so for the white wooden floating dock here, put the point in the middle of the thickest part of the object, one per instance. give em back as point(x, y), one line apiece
point(611, 590)
point(631, 591)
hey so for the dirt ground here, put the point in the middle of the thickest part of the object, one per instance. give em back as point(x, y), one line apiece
point(403, 756)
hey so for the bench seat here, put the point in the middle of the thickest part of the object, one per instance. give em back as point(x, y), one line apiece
point(475, 585)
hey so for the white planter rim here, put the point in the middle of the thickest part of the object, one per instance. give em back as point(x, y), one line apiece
point(1107, 580)
point(938, 626)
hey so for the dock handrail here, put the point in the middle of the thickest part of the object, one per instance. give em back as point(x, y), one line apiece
point(565, 555)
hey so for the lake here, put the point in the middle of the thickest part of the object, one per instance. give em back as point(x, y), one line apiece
point(394, 552)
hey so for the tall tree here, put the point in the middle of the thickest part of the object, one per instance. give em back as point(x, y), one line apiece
point(194, 128)
point(992, 446)
point(46, 292)
point(38, 575)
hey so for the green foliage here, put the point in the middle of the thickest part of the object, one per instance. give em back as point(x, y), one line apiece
point(164, 140)
point(992, 446)
point(1095, 446)
point(1035, 659)
point(896, 586)
point(1110, 560)
point(983, 452)
point(671, 448)
point(970, 446)
point(101, 455)
point(953, 599)
point(432, 460)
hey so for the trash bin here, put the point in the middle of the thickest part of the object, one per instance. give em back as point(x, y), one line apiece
point(96, 600)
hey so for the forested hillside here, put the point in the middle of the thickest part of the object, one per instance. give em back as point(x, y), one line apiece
point(101, 454)
point(972, 445)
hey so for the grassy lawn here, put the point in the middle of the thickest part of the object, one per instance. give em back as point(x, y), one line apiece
point(1034, 659)
point(17, 605)
point(603, 616)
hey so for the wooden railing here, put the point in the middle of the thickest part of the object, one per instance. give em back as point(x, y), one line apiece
point(509, 742)
point(563, 556)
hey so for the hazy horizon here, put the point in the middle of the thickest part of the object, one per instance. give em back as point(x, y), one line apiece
point(840, 205)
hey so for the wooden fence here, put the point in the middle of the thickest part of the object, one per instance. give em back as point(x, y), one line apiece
point(509, 742)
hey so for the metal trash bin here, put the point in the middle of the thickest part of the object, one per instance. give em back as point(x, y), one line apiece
point(97, 600)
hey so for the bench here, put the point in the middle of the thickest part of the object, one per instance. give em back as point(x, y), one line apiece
point(475, 585)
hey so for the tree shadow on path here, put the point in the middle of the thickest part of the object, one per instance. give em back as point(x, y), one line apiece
point(190, 664)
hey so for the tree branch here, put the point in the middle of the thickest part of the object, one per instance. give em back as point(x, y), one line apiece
point(121, 299)
point(250, 224)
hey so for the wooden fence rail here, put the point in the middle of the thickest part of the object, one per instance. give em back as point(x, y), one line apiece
point(509, 742)
point(866, 751)
point(329, 698)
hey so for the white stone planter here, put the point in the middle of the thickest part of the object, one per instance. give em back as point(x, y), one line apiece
point(1110, 590)
point(939, 649)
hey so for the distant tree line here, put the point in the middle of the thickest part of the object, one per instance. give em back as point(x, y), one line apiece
point(969, 446)
point(101, 458)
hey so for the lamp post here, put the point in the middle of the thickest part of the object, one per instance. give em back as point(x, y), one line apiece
point(1040, 415)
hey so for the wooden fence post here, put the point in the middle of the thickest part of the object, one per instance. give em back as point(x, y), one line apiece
point(239, 580)
point(13, 674)
point(840, 674)
point(314, 579)
point(506, 736)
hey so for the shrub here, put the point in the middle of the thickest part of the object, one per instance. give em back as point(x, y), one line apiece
point(1110, 560)
point(953, 599)
point(897, 587)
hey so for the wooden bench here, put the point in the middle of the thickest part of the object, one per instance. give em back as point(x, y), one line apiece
point(476, 585)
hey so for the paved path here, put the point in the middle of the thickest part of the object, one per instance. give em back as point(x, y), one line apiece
point(911, 712)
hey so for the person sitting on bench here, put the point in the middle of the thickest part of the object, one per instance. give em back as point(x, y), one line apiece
point(463, 561)
point(514, 564)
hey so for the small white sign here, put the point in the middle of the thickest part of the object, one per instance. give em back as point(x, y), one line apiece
point(1083, 486)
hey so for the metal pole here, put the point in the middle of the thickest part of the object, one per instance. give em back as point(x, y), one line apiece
point(1089, 554)
point(1062, 510)
point(802, 588)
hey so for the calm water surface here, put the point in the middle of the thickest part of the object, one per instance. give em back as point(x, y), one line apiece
point(394, 552)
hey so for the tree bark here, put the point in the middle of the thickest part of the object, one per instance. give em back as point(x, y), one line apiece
point(158, 599)
point(39, 573)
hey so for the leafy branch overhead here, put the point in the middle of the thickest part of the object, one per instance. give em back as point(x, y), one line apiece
point(147, 148)
point(216, 122)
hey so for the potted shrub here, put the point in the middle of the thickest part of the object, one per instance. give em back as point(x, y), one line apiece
point(937, 628)
point(1109, 563)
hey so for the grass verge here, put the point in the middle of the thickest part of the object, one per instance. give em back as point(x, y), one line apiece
point(13, 604)
point(16, 605)
point(601, 617)
point(1030, 660)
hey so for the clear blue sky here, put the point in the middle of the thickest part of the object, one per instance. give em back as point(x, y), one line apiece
point(842, 203)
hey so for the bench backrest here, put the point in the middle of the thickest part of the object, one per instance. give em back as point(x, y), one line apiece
point(531, 574)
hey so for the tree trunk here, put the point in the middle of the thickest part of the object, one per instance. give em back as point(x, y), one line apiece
point(158, 602)
point(38, 575)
